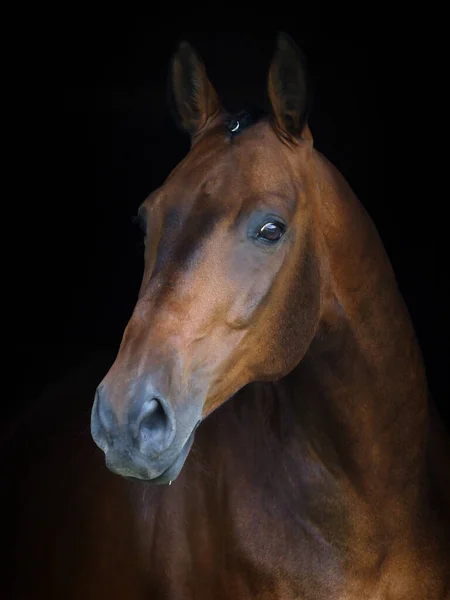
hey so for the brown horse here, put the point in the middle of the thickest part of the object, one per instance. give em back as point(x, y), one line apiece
point(269, 380)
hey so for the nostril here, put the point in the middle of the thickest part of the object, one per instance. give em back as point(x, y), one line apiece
point(149, 408)
point(154, 428)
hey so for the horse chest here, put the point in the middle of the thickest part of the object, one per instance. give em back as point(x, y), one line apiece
point(190, 553)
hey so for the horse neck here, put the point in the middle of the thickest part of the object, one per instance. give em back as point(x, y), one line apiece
point(360, 391)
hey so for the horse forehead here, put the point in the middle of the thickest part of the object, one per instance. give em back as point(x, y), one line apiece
point(233, 169)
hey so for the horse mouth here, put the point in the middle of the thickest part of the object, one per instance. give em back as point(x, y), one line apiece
point(172, 472)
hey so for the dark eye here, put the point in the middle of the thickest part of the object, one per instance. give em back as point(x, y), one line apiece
point(271, 231)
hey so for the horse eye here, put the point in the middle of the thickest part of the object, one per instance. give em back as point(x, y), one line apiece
point(272, 231)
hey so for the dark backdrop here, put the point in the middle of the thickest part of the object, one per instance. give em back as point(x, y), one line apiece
point(100, 139)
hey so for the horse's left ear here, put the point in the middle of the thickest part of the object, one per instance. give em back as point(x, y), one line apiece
point(193, 99)
point(289, 89)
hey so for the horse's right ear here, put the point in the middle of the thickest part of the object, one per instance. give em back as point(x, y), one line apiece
point(192, 97)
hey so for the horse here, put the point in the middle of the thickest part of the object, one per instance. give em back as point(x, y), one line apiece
point(265, 430)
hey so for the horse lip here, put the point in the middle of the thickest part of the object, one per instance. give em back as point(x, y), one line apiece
point(172, 472)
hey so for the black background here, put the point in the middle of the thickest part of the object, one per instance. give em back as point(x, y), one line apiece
point(99, 139)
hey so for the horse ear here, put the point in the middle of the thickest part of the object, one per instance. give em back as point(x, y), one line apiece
point(289, 90)
point(192, 97)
